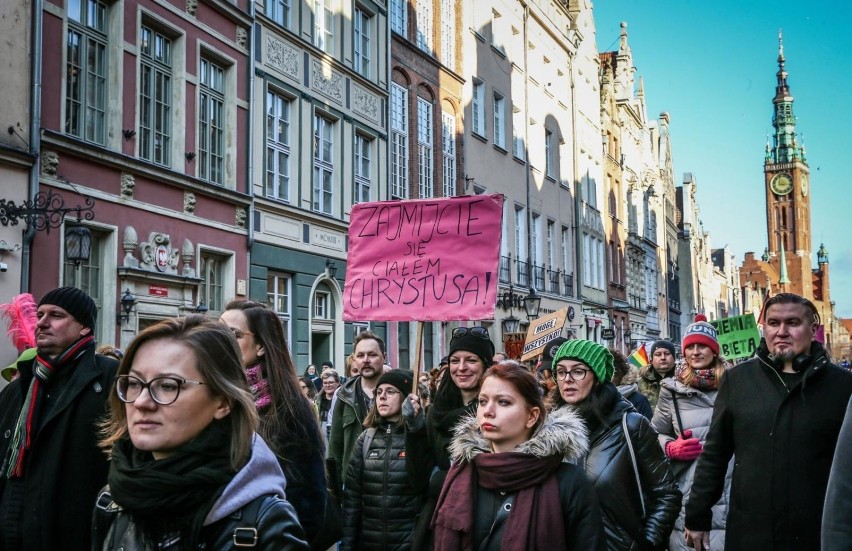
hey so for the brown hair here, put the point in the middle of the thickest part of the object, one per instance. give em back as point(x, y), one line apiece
point(365, 335)
point(524, 382)
point(218, 360)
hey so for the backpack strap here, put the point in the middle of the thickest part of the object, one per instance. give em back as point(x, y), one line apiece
point(245, 534)
point(633, 461)
point(369, 434)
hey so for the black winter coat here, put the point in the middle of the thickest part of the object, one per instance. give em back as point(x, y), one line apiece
point(610, 468)
point(784, 441)
point(65, 468)
point(381, 501)
point(277, 529)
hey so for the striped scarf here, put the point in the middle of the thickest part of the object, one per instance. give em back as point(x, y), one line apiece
point(43, 370)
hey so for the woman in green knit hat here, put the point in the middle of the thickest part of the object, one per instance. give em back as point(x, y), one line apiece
point(636, 490)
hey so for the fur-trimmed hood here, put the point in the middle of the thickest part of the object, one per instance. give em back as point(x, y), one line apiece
point(631, 376)
point(563, 432)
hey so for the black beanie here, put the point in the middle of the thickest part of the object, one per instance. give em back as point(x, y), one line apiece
point(75, 302)
point(402, 379)
point(479, 345)
point(663, 344)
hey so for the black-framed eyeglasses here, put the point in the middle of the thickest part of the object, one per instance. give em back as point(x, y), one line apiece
point(163, 390)
point(577, 374)
point(476, 331)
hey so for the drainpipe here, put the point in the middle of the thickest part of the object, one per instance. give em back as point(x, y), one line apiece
point(527, 142)
point(250, 140)
point(35, 134)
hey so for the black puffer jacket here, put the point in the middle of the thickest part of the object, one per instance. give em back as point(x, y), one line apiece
point(610, 468)
point(381, 502)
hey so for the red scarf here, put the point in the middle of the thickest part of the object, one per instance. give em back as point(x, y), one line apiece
point(43, 370)
point(535, 521)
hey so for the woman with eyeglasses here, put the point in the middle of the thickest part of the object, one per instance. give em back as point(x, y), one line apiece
point(187, 469)
point(637, 492)
point(511, 486)
point(382, 500)
point(470, 354)
point(288, 421)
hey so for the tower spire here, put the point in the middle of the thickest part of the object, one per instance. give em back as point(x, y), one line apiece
point(784, 147)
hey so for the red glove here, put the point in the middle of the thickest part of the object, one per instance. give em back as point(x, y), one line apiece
point(685, 448)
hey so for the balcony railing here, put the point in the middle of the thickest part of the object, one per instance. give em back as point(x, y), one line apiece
point(568, 285)
point(505, 269)
point(523, 274)
point(553, 279)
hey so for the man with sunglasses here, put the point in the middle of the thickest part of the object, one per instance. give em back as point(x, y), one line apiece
point(52, 467)
point(355, 397)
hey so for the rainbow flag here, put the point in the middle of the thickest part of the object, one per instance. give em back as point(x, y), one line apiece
point(639, 358)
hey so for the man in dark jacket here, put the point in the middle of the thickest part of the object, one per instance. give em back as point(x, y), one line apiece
point(662, 366)
point(354, 398)
point(780, 414)
point(52, 467)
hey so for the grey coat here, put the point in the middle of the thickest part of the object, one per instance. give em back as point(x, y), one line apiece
point(696, 411)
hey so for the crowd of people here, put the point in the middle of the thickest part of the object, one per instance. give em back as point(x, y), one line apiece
point(203, 435)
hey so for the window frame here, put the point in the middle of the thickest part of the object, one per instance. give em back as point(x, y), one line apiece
point(499, 130)
point(362, 47)
point(159, 106)
point(399, 17)
point(448, 150)
point(275, 146)
point(211, 98)
point(92, 31)
point(477, 106)
point(363, 183)
point(425, 148)
point(399, 142)
point(425, 26)
point(324, 25)
point(272, 9)
point(323, 195)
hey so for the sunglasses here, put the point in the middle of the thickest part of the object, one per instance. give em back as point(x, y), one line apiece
point(476, 331)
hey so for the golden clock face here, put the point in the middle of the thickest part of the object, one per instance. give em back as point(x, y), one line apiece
point(805, 184)
point(781, 184)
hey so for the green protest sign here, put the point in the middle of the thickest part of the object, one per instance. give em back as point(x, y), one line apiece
point(738, 336)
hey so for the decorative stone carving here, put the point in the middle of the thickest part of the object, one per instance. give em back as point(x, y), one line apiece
point(128, 185)
point(129, 243)
point(282, 57)
point(365, 103)
point(50, 163)
point(187, 252)
point(241, 217)
point(242, 37)
point(325, 81)
point(158, 255)
point(192, 7)
point(188, 202)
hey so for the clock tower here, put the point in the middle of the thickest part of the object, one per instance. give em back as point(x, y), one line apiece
point(788, 208)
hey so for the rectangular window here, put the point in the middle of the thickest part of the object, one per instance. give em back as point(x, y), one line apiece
point(424, 148)
point(278, 298)
point(399, 141)
point(588, 260)
point(155, 96)
point(550, 229)
point(211, 272)
point(211, 123)
point(499, 118)
point(324, 25)
point(448, 132)
point(362, 42)
point(279, 11)
point(277, 146)
point(424, 25)
point(448, 34)
point(399, 16)
point(478, 108)
point(321, 306)
point(323, 164)
point(88, 277)
point(363, 171)
point(518, 134)
point(566, 249)
point(534, 238)
point(549, 152)
point(86, 71)
point(520, 234)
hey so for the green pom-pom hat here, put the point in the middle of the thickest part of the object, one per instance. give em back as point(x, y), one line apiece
point(594, 355)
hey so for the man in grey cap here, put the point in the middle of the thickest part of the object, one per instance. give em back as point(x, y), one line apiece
point(52, 467)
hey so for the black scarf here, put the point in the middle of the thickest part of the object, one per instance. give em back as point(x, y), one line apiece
point(173, 494)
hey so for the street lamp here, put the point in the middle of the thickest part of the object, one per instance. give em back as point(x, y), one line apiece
point(201, 308)
point(128, 301)
point(330, 268)
point(510, 324)
point(532, 304)
point(78, 244)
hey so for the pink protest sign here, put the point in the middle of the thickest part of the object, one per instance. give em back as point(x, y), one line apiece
point(423, 260)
